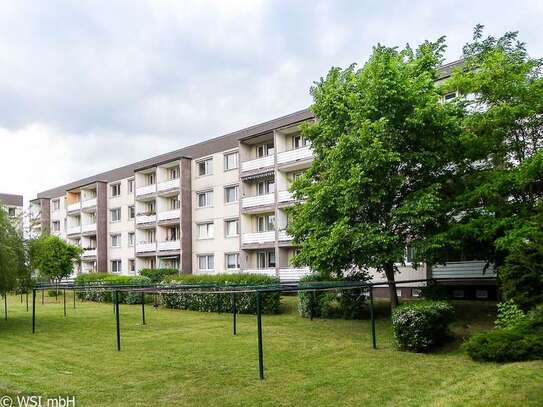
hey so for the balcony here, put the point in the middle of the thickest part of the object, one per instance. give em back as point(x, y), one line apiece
point(267, 272)
point(89, 203)
point(260, 200)
point(299, 154)
point(463, 269)
point(74, 230)
point(169, 246)
point(88, 228)
point(168, 185)
point(168, 215)
point(143, 247)
point(293, 274)
point(284, 196)
point(145, 219)
point(259, 237)
point(283, 236)
point(146, 190)
point(74, 207)
point(89, 253)
point(263, 162)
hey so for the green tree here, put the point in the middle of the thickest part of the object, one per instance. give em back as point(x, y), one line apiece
point(383, 143)
point(53, 257)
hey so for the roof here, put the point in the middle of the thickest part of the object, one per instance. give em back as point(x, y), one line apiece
point(446, 70)
point(12, 200)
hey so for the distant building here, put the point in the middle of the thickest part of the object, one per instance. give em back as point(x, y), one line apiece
point(14, 207)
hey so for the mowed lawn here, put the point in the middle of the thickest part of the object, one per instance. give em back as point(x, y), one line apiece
point(192, 359)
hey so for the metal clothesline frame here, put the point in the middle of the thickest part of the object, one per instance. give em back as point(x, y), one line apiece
point(233, 290)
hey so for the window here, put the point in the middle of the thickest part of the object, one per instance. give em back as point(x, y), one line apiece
point(174, 204)
point(116, 266)
point(449, 96)
point(399, 292)
point(56, 226)
point(131, 265)
point(56, 204)
point(416, 292)
point(231, 161)
point(173, 234)
point(298, 141)
point(130, 186)
point(205, 167)
point(173, 173)
point(205, 199)
point(265, 260)
point(131, 212)
point(232, 261)
point(265, 187)
point(205, 230)
point(151, 208)
point(206, 262)
point(116, 240)
point(264, 150)
point(481, 294)
point(265, 223)
point(150, 235)
point(131, 239)
point(150, 179)
point(231, 227)
point(11, 212)
point(115, 214)
point(231, 194)
point(409, 254)
point(116, 189)
point(458, 293)
point(297, 175)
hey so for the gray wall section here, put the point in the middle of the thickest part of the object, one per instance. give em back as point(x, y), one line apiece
point(102, 238)
point(186, 216)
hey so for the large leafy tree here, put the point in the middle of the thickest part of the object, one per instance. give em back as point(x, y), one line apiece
point(13, 254)
point(53, 257)
point(383, 144)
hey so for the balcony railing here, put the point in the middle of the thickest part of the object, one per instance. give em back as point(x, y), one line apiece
point(293, 274)
point(143, 247)
point(260, 200)
point(89, 252)
point(167, 215)
point(171, 245)
point(284, 196)
point(145, 219)
point(89, 203)
point(463, 269)
point(74, 207)
point(170, 184)
point(283, 236)
point(259, 237)
point(88, 228)
point(298, 154)
point(146, 190)
point(257, 163)
point(267, 272)
point(72, 230)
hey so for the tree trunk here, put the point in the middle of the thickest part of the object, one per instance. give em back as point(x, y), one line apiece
point(389, 273)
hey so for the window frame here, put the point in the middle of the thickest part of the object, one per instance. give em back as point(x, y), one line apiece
point(237, 262)
point(225, 159)
point(111, 211)
point(207, 258)
point(207, 225)
point(228, 221)
point(236, 189)
point(207, 166)
point(113, 188)
point(117, 237)
point(120, 265)
point(207, 204)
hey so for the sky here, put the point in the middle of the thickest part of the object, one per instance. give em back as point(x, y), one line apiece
point(87, 86)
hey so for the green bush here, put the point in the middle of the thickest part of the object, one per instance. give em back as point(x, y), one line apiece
point(509, 314)
point(105, 295)
point(522, 341)
point(347, 304)
point(158, 275)
point(418, 326)
point(245, 302)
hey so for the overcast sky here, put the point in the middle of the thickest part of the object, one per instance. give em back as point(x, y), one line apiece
point(86, 86)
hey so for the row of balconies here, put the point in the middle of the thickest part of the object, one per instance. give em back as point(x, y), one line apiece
point(285, 157)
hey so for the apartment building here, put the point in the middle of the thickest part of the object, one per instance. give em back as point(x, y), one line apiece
point(213, 207)
point(13, 204)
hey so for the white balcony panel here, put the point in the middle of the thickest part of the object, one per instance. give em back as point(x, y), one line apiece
point(284, 196)
point(166, 215)
point(283, 236)
point(262, 237)
point(463, 269)
point(268, 272)
point(145, 247)
point(89, 253)
point(171, 184)
point(89, 228)
point(74, 207)
point(88, 203)
point(252, 201)
point(145, 219)
point(173, 245)
point(294, 155)
point(72, 230)
point(149, 189)
point(258, 163)
point(293, 274)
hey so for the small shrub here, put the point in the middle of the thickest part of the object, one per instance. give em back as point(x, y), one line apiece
point(522, 341)
point(158, 275)
point(245, 302)
point(509, 314)
point(105, 295)
point(419, 326)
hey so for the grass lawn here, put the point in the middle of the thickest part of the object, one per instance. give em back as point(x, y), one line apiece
point(191, 359)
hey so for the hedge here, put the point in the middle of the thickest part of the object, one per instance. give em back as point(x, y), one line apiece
point(347, 304)
point(104, 295)
point(245, 302)
point(158, 275)
point(521, 341)
point(418, 326)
